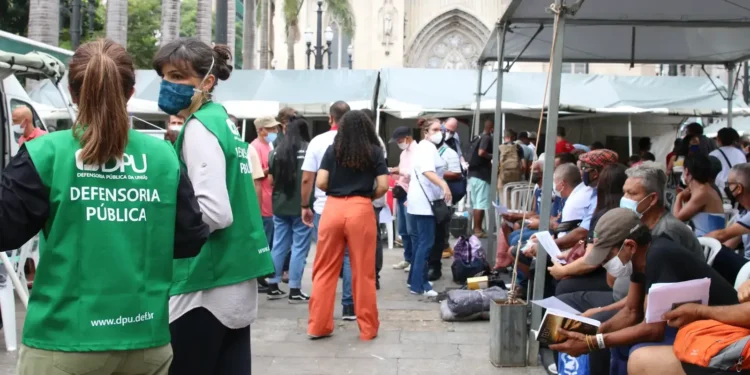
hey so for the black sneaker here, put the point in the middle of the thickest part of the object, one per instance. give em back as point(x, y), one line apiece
point(274, 292)
point(349, 313)
point(296, 296)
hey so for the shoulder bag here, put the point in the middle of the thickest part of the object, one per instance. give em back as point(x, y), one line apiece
point(440, 209)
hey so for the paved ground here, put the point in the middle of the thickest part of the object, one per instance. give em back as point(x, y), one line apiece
point(412, 339)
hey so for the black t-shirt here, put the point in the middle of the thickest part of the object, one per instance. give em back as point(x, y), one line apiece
point(483, 170)
point(347, 182)
point(667, 262)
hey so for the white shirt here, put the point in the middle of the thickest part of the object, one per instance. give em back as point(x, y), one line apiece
point(425, 159)
point(451, 157)
point(314, 156)
point(577, 205)
point(735, 156)
point(236, 305)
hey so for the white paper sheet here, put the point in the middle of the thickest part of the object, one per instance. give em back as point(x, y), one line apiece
point(664, 297)
point(500, 208)
point(548, 243)
point(556, 304)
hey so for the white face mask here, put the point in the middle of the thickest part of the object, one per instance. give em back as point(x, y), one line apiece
point(403, 145)
point(615, 267)
point(556, 192)
point(175, 128)
point(17, 129)
point(437, 138)
point(448, 136)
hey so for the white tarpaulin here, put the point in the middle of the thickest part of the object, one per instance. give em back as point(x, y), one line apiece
point(640, 31)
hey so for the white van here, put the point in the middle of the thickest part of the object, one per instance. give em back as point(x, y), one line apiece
point(34, 65)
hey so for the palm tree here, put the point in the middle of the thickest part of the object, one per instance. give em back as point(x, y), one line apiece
point(170, 20)
point(231, 26)
point(44, 21)
point(265, 32)
point(248, 36)
point(117, 21)
point(203, 21)
point(339, 10)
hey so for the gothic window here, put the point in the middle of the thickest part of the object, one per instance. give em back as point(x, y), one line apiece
point(453, 40)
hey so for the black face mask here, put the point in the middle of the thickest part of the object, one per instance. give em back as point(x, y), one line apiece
point(535, 178)
point(732, 198)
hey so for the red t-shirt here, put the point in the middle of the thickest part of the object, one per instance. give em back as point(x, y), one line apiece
point(563, 147)
point(34, 134)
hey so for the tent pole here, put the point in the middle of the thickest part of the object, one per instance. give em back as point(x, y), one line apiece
point(492, 231)
point(478, 112)
point(630, 136)
point(730, 87)
point(244, 128)
point(549, 158)
point(377, 122)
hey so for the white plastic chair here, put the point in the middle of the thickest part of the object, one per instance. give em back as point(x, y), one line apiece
point(14, 267)
point(711, 247)
point(742, 276)
point(387, 218)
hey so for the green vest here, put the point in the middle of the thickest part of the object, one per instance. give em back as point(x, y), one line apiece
point(239, 252)
point(104, 274)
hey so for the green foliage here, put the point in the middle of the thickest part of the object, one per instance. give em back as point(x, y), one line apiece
point(14, 16)
point(188, 14)
point(144, 20)
point(342, 12)
point(66, 10)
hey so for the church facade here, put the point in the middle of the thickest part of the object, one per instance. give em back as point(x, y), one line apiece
point(439, 34)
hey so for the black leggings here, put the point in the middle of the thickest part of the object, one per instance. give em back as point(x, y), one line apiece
point(204, 346)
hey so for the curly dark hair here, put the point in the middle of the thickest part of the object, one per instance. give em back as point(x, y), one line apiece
point(356, 141)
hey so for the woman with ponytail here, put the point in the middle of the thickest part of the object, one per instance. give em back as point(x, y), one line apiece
point(214, 295)
point(114, 210)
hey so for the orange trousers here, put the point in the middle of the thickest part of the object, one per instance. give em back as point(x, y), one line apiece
point(348, 221)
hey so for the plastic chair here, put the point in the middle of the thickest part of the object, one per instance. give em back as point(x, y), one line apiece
point(16, 280)
point(711, 247)
point(742, 276)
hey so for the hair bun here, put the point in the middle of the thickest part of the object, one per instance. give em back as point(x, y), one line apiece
point(223, 64)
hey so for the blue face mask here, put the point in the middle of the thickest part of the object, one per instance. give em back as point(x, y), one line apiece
point(271, 137)
point(174, 97)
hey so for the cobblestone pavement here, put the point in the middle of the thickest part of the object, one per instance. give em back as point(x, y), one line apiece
point(412, 338)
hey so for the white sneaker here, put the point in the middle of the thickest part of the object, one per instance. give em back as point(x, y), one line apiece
point(552, 368)
point(401, 265)
point(429, 293)
point(408, 268)
point(409, 285)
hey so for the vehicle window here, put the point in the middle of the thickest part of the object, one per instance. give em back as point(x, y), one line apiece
point(36, 120)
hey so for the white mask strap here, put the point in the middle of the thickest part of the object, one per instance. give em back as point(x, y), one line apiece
point(206, 76)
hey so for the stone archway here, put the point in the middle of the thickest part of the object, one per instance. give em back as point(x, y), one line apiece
point(453, 40)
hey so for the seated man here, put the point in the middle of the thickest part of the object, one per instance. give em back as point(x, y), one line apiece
point(623, 244)
point(662, 360)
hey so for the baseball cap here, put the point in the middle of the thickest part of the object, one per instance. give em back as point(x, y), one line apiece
point(400, 132)
point(611, 230)
point(599, 158)
point(266, 122)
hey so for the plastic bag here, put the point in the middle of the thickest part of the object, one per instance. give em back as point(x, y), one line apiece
point(463, 303)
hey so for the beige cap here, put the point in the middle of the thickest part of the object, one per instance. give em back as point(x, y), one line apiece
point(266, 122)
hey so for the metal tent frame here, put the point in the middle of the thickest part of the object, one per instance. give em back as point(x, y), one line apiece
point(606, 31)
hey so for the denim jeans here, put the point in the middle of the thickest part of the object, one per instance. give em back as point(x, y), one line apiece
point(403, 230)
point(290, 233)
point(513, 237)
point(268, 228)
point(423, 238)
point(346, 283)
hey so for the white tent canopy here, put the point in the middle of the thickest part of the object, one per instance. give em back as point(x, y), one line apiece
point(633, 31)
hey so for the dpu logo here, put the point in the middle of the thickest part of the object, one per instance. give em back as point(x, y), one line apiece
point(232, 127)
point(118, 165)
